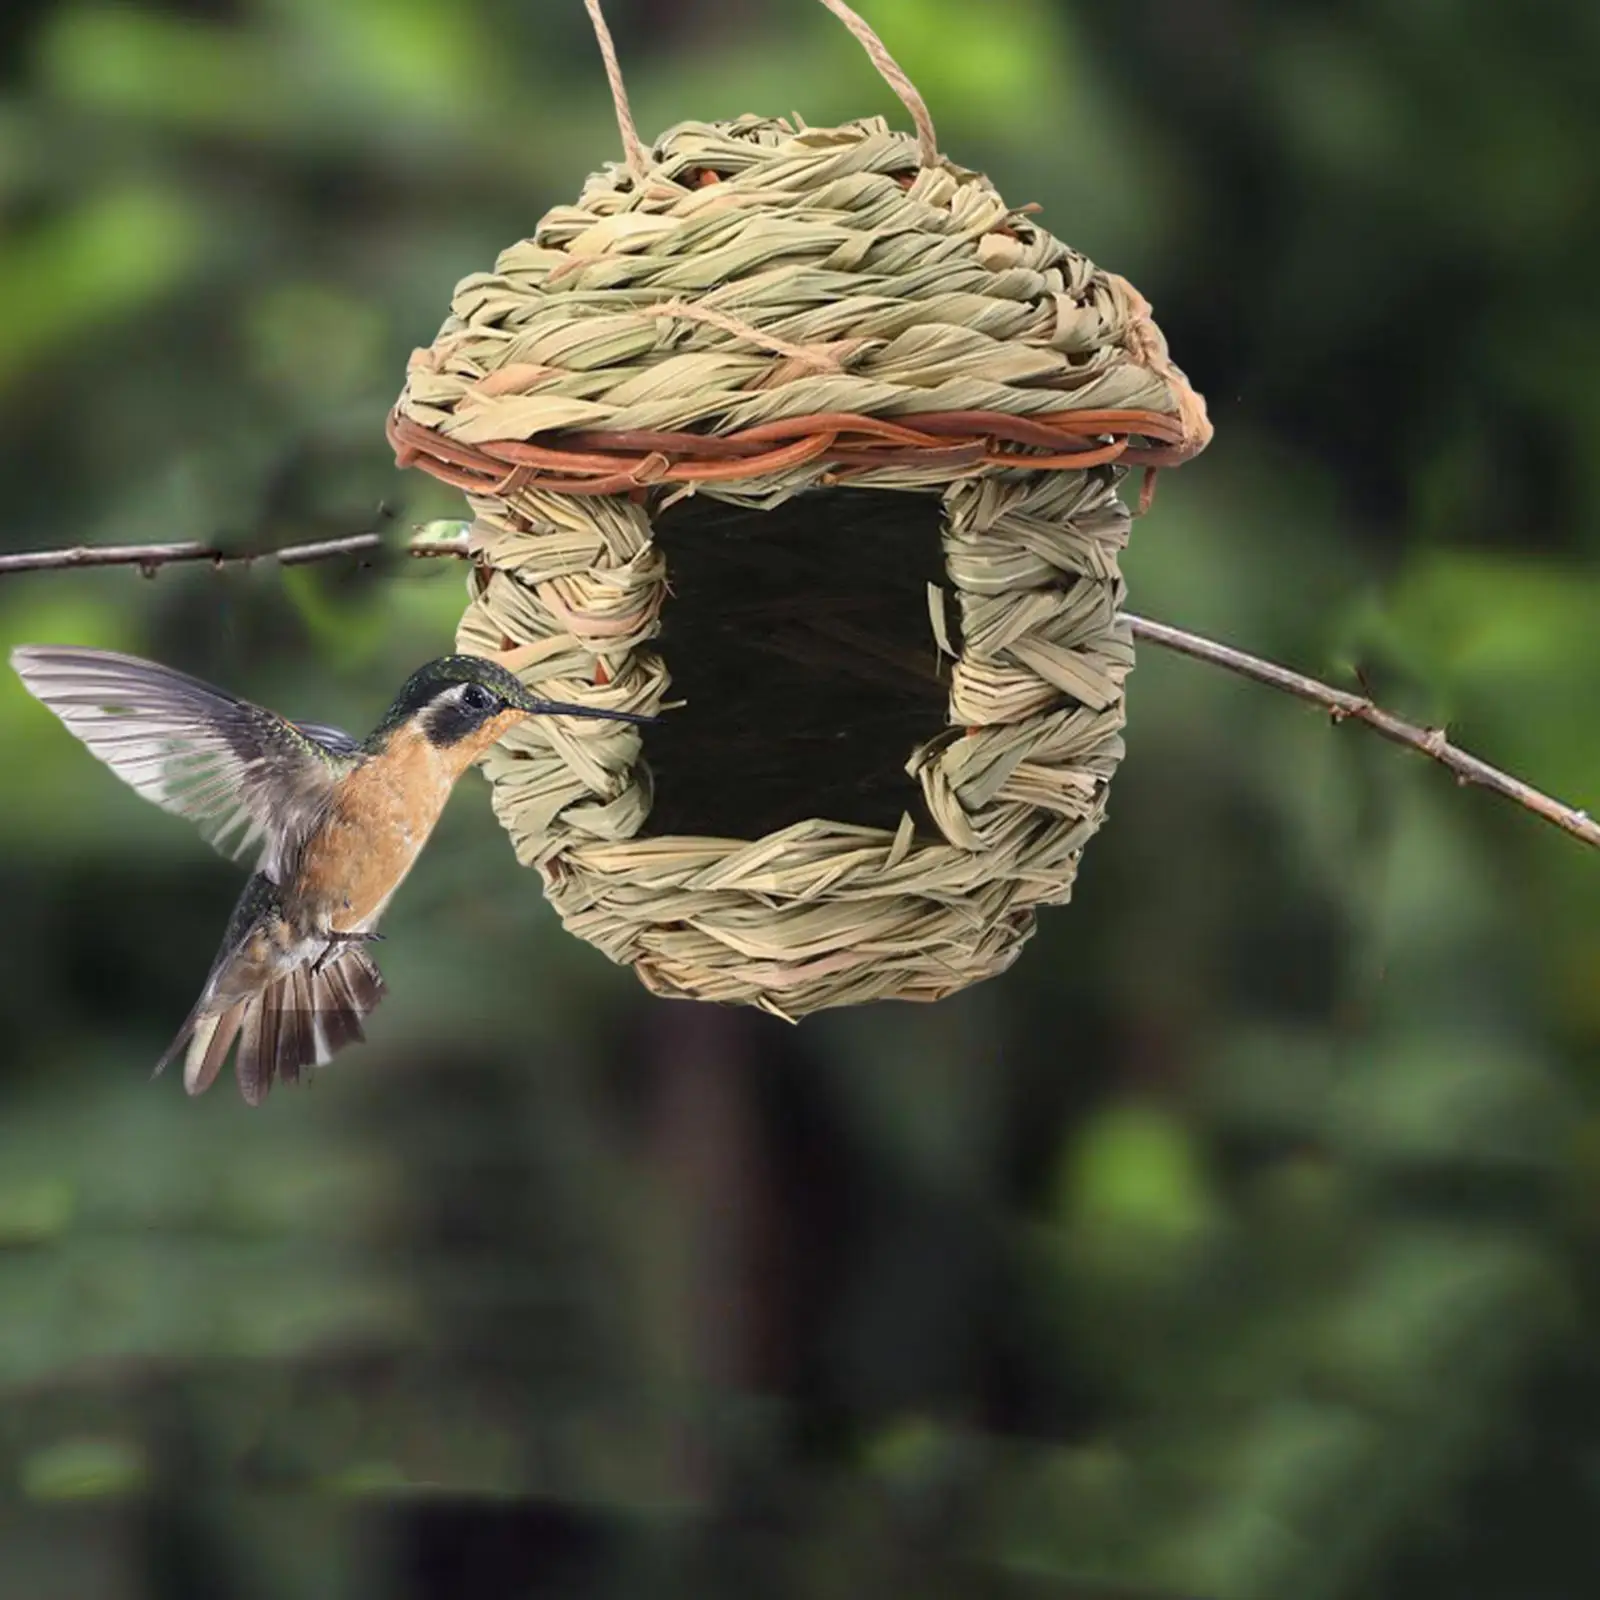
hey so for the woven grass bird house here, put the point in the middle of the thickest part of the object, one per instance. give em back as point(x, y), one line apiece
point(809, 440)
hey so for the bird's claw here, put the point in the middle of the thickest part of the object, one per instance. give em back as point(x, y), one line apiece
point(337, 942)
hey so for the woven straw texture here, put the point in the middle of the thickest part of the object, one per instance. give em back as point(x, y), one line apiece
point(773, 312)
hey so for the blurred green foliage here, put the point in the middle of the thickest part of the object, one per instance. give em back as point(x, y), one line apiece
point(1238, 1243)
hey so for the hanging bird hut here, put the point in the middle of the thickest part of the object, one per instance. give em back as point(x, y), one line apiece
point(810, 441)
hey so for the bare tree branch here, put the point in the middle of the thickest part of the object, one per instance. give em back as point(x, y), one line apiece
point(149, 557)
point(434, 540)
point(1344, 706)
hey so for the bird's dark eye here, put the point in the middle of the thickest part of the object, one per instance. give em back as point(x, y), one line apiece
point(476, 698)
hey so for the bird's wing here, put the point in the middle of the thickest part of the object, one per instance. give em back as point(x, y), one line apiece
point(330, 738)
point(245, 775)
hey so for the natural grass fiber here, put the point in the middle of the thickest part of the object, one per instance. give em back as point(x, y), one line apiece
point(824, 442)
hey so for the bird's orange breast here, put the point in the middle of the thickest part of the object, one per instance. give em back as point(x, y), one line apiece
point(380, 819)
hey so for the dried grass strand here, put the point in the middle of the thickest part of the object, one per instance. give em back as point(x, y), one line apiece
point(820, 358)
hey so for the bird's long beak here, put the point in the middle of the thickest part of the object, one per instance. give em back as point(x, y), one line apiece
point(559, 708)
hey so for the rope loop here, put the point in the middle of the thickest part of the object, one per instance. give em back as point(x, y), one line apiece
point(877, 52)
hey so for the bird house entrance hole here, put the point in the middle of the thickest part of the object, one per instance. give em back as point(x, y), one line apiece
point(800, 639)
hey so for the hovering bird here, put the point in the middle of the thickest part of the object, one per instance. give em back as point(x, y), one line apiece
point(339, 824)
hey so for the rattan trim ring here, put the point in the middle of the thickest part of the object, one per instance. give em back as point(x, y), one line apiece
point(600, 462)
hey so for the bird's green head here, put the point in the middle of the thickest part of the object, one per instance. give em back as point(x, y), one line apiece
point(454, 698)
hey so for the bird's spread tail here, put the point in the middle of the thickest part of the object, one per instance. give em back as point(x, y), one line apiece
point(301, 1020)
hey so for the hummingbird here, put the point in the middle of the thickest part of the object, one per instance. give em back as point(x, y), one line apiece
point(337, 822)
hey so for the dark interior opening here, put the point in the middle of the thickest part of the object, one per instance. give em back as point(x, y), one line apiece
point(801, 641)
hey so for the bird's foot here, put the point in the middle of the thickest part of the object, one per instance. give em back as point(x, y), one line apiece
point(337, 942)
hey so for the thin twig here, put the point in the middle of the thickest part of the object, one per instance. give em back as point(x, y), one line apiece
point(1341, 703)
point(1345, 706)
point(149, 557)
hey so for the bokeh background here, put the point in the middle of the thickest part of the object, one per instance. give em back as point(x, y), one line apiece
point(1240, 1243)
